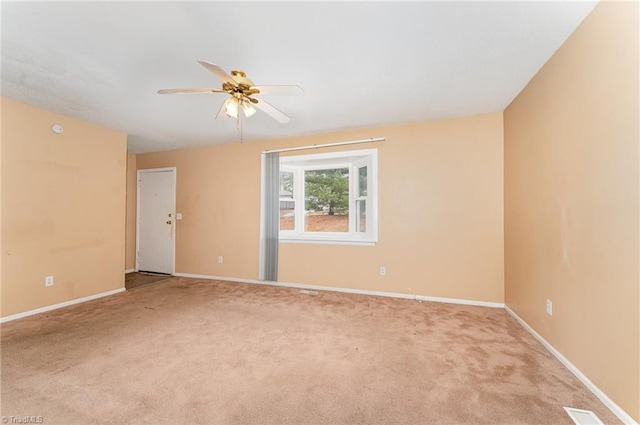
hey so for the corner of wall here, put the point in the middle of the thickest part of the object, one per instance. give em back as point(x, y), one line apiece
point(131, 212)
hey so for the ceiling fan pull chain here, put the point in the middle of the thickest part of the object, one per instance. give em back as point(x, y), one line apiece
point(239, 124)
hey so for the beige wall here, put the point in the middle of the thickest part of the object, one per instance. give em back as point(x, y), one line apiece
point(132, 204)
point(63, 208)
point(571, 201)
point(440, 208)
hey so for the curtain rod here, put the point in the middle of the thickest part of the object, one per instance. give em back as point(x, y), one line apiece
point(326, 145)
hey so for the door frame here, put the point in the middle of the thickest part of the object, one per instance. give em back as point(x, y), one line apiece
point(173, 212)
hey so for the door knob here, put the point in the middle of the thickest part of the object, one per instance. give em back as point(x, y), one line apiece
point(168, 221)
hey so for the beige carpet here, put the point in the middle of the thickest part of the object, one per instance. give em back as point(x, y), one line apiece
point(189, 351)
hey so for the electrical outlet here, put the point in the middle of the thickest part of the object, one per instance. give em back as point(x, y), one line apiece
point(383, 271)
point(549, 307)
point(48, 281)
point(220, 259)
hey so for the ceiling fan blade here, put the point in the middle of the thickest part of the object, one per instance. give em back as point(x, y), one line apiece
point(270, 110)
point(280, 90)
point(189, 91)
point(218, 72)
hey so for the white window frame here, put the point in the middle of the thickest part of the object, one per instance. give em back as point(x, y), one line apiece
point(356, 194)
point(354, 160)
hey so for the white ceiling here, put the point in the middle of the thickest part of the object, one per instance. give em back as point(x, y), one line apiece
point(360, 63)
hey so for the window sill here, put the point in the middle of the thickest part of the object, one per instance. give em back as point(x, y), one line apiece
point(328, 241)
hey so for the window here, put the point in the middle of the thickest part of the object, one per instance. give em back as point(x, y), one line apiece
point(329, 198)
point(287, 202)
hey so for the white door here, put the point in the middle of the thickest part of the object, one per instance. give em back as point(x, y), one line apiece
point(156, 220)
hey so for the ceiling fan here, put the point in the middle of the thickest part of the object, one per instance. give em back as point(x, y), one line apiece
point(242, 92)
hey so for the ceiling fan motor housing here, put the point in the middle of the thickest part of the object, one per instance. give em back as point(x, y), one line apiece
point(241, 79)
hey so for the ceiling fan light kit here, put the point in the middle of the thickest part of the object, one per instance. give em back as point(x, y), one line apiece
point(231, 107)
point(241, 91)
point(247, 108)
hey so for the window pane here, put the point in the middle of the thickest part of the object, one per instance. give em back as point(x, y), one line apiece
point(286, 184)
point(327, 200)
point(287, 214)
point(287, 203)
point(361, 207)
point(362, 181)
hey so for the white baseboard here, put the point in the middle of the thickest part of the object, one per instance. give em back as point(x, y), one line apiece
point(59, 305)
point(615, 409)
point(347, 290)
point(130, 271)
point(460, 301)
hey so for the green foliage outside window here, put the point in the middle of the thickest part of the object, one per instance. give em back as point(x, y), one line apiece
point(327, 191)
